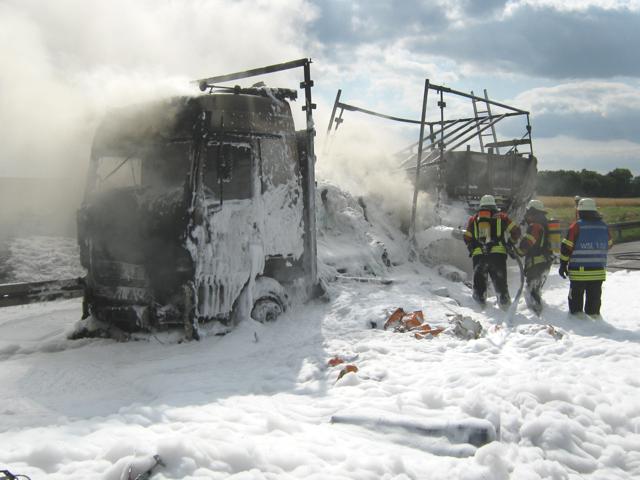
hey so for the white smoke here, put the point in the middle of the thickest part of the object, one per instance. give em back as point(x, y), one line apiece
point(360, 157)
point(66, 62)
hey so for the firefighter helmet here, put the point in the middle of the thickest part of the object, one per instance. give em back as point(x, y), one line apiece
point(536, 205)
point(587, 205)
point(488, 201)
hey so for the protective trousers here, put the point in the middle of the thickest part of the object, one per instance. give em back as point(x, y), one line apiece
point(593, 291)
point(535, 275)
point(495, 266)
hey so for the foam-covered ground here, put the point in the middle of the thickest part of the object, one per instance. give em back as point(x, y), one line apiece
point(258, 402)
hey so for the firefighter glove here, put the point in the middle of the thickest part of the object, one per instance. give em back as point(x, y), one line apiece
point(562, 271)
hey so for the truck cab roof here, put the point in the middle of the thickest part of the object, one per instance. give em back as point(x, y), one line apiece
point(257, 111)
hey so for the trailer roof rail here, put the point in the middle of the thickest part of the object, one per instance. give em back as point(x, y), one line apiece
point(208, 82)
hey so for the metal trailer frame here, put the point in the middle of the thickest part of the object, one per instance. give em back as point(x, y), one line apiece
point(452, 133)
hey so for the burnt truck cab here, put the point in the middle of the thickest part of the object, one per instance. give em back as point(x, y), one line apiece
point(196, 209)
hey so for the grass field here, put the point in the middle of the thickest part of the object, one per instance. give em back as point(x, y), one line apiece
point(613, 210)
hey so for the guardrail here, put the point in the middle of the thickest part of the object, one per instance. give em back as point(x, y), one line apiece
point(21, 293)
point(615, 229)
point(619, 227)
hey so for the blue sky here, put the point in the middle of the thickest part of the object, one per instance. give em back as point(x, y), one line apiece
point(574, 64)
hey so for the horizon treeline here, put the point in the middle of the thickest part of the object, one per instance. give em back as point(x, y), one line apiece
point(619, 182)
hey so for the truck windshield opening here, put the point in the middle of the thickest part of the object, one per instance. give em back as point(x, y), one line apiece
point(157, 166)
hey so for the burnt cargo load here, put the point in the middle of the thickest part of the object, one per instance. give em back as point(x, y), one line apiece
point(468, 175)
point(197, 208)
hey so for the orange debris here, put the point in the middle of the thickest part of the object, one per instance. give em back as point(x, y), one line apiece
point(335, 361)
point(347, 369)
point(402, 321)
point(413, 320)
point(395, 317)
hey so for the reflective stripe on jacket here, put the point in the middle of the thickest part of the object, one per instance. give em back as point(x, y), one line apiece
point(500, 226)
point(534, 245)
point(585, 248)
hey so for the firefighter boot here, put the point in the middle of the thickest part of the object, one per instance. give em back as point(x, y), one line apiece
point(504, 300)
point(479, 298)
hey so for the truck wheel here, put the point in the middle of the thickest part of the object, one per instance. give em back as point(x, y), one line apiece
point(269, 300)
point(266, 310)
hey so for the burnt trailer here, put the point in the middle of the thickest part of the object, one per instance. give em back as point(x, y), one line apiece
point(200, 208)
point(468, 175)
point(443, 162)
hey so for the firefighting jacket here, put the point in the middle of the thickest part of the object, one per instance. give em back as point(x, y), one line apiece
point(585, 248)
point(490, 229)
point(534, 245)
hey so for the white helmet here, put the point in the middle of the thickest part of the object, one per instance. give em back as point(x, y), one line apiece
point(536, 205)
point(488, 201)
point(587, 205)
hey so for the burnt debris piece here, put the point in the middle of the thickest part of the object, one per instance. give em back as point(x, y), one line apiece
point(200, 208)
point(474, 431)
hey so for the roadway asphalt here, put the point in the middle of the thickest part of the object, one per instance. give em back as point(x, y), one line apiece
point(624, 255)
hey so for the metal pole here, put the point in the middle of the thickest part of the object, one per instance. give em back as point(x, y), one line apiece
point(529, 134)
point(414, 205)
point(440, 184)
point(205, 83)
point(310, 233)
point(475, 112)
point(333, 112)
point(325, 147)
point(442, 88)
point(353, 108)
point(493, 128)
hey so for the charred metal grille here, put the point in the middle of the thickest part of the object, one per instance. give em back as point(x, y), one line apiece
point(123, 274)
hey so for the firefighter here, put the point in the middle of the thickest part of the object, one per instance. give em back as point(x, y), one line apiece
point(536, 250)
point(583, 255)
point(489, 233)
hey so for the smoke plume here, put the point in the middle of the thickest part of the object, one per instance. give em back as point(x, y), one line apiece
point(67, 62)
point(361, 158)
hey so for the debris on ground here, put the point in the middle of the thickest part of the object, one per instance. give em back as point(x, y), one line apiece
point(335, 361)
point(394, 318)
point(472, 431)
point(452, 273)
point(426, 332)
point(537, 329)
point(441, 292)
point(465, 327)
point(381, 280)
point(402, 321)
point(142, 468)
point(347, 369)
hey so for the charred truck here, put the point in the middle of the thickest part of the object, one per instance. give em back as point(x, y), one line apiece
point(200, 208)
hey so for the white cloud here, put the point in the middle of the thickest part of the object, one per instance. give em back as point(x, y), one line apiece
point(567, 153)
point(598, 97)
point(577, 5)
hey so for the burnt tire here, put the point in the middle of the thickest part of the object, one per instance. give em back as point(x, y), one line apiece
point(269, 300)
point(266, 310)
